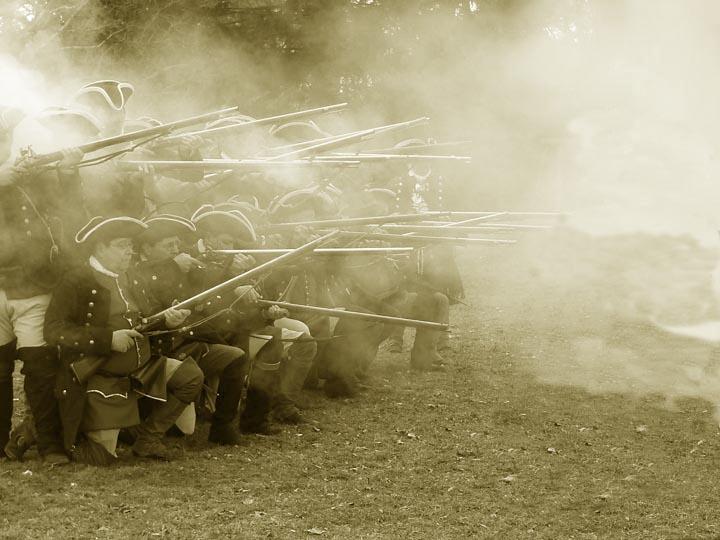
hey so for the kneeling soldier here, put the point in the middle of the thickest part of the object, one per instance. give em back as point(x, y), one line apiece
point(106, 363)
point(170, 274)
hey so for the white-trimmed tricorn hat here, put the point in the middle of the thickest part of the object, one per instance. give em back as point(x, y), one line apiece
point(299, 131)
point(232, 222)
point(101, 229)
point(164, 226)
point(112, 94)
point(294, 202)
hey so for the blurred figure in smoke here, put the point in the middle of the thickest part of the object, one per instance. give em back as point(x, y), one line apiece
point(36, 206)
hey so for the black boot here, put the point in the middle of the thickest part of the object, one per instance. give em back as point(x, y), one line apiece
point(40, 367)
point(7, 366)
point(223, 429)
point(255, 415)
point(424, 356)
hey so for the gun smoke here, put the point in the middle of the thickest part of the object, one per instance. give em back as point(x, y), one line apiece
point(609, 115)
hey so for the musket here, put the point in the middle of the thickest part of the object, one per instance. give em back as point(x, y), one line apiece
point(365, 157)
point(263, 121)
point(221, 288)
point(415, 147)
point(370, 317)
point(367, 220)
point(321, 251)
point(473, 220)
point(517, 214)
point(44, 159)
point(351, 138)
point(405, 239)
point(233, 164)
point(504, 227)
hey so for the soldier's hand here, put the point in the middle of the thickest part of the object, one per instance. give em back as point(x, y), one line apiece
point(247, 294)
point(275, 312)
point(71, 158)
point(175, 317)
point(187, 263)
point(122, 340)
point(242, 263)
point(15, 173)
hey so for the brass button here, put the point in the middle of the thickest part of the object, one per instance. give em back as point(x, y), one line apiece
point(92, 342)
point(89, 315)
point(93, 291)
point(91, 304)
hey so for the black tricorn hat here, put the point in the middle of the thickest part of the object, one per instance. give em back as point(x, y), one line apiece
point(165, 226)
point(100, 229)
point(232, 222)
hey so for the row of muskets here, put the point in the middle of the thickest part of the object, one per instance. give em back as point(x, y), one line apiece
point(403, 232)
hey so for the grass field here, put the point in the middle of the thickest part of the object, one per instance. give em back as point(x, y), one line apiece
point(562, 415)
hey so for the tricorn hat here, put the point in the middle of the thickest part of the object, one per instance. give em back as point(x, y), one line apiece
point(100, 229)
point(113, 94)
point(232, 222)
point(164, 226)
point(299, 131)
point(285, 206)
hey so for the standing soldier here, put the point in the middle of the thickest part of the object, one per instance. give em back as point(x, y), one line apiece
point(36, 207)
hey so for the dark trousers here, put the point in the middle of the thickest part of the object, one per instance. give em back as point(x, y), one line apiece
point(7, 366)
point(40, 368)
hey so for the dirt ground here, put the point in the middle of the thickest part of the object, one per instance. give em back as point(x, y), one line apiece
point(564, 414)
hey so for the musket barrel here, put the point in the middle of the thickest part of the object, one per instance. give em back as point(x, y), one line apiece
point(263, 121)
point(370, 317)
point(405, 239)
point(321, 251)
point(415, 147)
point(235, 164)
point(44, 159)
point(368, 220)
point(467, 229)
point(365, 157)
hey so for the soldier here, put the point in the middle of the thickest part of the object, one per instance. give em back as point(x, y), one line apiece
point(170, 274)
point(232, 230)
point(105, 363)
point(36, 208)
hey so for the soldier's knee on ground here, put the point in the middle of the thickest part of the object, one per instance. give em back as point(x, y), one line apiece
point(186, 383)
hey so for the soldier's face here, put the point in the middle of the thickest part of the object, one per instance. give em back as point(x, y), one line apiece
point(167, 248)
point(221, 241)
point(115, 255)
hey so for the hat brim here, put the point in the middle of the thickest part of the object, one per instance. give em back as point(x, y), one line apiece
point(100, 229)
